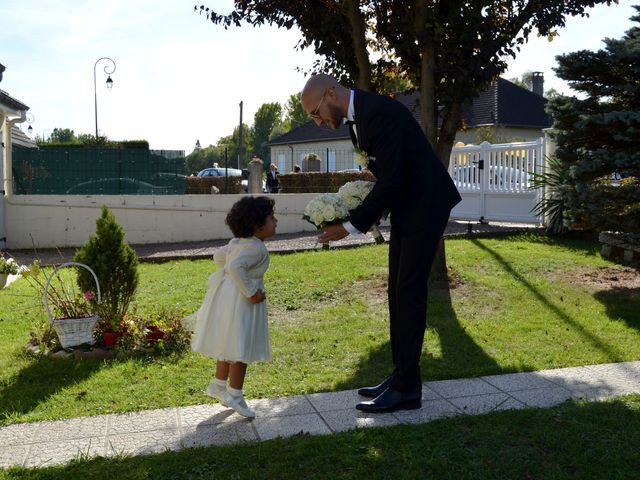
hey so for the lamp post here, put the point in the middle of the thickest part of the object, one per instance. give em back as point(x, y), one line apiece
point(108, 69)
point(44, 134)
point(30, 120)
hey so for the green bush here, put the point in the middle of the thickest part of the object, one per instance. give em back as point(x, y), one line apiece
point(319, 182)
point(116, 266)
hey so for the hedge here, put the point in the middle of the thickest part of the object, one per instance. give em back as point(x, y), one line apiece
point(319, 182)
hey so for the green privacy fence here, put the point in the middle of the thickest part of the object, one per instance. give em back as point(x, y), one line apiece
point(98, 171)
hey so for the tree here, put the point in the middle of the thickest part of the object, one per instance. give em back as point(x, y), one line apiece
point(451, 50)
point(294, 115)
point(115, 264)
point(266, 118)
point(597, 135)
point(231, 143)
point(63, 135)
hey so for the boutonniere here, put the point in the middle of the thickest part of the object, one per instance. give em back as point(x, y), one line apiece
point(362, 158)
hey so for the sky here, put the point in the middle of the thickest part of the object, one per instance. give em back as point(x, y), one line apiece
point(178, 78)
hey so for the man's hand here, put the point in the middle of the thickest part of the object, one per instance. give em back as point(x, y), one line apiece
point(258, 297)
point(332, 233)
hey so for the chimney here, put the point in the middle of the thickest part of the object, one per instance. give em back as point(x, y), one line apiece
point(1, 70)
point(537, 83)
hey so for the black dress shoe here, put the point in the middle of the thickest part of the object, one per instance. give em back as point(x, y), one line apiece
point(391, 400)
point(373, 392)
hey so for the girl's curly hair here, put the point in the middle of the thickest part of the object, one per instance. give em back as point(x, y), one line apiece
point(249, 214)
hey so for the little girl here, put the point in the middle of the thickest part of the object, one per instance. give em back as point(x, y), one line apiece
point(231, 323)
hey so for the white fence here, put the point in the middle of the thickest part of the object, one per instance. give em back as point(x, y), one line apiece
point(495, 180)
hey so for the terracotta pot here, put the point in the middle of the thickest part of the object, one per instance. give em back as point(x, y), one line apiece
point(111, 338)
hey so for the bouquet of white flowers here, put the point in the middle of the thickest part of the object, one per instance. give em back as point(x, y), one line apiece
point(331, 208)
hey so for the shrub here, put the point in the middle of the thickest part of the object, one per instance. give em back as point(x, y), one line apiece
point(319, 182)
point(115, 264)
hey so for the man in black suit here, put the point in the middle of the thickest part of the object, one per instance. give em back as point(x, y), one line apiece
point(413, 185)
point(273, 185)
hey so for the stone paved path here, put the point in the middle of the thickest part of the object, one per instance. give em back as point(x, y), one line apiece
point(47, 443)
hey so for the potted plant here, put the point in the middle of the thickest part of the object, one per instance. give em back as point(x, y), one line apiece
point(71, 312)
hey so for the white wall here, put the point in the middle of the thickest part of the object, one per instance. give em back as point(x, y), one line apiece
point(46, 221)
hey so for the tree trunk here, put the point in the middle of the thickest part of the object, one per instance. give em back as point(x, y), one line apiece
point(358, 36)
point(439, 271)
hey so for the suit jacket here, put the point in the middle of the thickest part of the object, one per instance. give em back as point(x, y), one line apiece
point(272, 182)
point(412, 183)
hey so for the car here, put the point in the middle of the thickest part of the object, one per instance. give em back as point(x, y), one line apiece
point(226, 172)
point(220, 172)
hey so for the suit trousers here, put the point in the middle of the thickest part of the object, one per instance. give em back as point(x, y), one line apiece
point(411, 256)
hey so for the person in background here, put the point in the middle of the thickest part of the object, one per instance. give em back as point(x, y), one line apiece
point(272, 179)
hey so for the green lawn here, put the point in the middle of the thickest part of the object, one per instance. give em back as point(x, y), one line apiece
point(514, 305)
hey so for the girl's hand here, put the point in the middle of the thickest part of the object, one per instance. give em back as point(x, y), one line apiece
point(258, 297)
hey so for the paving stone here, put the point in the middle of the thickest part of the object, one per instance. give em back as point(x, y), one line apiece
point(18, 434)
point(204, 414)
point(142, 443)
point(543, 397)
point(342, 420)
point(272, 427)
point(431, 410)
point(629, 371)
point(512, 382)
point(568, 376)
point(479, 404)
point(283, 406)
point(462, 387)
point(59, 452)
point(150, 420)
point(217, 434)
point(345, 400)
point(598, 393)
point(13, 455)
point(83, 427)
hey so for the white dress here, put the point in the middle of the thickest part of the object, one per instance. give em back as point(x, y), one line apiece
point(228, 326)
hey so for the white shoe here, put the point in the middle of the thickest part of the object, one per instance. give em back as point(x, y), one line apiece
point(217, 392)
point(239, 405)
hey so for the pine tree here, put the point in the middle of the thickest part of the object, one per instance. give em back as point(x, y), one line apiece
point(115, 264)
point(598, 135)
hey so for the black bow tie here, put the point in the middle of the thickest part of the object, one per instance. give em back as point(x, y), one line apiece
point(349, 123)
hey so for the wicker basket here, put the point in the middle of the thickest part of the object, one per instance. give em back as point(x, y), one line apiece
point(72, 331)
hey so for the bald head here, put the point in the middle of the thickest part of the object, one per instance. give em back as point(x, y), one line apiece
point(318, 84)
point(324, 89)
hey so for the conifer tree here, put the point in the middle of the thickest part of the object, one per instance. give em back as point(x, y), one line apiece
point(598, 135)
point(116, 266)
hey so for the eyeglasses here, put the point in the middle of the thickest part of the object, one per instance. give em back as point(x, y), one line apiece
point(314, 115)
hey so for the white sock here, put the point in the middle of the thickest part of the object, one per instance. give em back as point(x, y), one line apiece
point(220, 383)
point(234, 392)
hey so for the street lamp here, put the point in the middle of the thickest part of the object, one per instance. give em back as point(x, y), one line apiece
point(108, 69)
point(30, 119)
point(44, 134)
